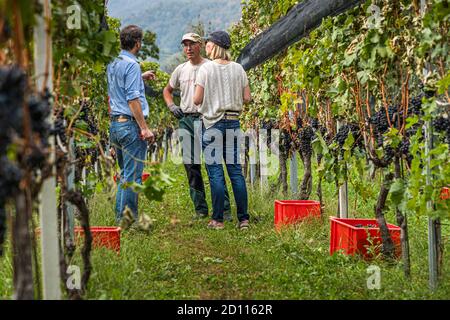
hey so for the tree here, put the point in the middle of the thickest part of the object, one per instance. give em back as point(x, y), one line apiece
point(149, 48)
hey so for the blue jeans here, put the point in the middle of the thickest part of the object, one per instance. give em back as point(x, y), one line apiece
point(130, 152)
point(216, 150)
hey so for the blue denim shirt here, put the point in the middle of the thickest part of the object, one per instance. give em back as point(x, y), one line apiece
point(125, 84)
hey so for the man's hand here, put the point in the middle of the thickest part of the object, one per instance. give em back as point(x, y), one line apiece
point(177, 112)
point(149, 75)
point(146, 134)
point(112, 152)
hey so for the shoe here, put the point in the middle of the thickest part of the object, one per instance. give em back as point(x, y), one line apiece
point(213, 224)
point(128, 219)
point(243, 225)
point(200, 216)
point(227, 217)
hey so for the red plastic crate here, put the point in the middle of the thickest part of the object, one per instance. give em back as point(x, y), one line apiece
point(145, 176)
point(292, 211)
point(445, 193)
point(346, 235)
point(107, 237)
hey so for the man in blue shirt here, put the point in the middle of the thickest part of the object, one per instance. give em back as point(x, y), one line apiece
point(129, 133)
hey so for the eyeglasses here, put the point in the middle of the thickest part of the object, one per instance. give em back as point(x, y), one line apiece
point(189, 45)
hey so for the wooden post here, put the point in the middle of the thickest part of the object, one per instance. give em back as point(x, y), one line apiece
point(48, 212)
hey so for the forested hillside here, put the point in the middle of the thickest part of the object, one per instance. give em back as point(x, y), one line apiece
point(170, 19)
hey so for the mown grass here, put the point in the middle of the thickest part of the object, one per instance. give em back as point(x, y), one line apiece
point(181, 259)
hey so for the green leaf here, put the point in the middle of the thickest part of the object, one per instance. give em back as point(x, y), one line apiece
point(397, 191)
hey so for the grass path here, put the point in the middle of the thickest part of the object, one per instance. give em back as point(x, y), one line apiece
point(182, 259)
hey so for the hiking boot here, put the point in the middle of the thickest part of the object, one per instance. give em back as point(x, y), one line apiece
point(244, 225)
point(213, 224)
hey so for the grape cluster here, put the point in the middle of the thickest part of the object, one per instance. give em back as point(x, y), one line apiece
point(366, 226)
point(286, 143)
point(442, 124)
point(344, 131)
point(305, 137)
point(315, 124)
point(87, 117)
point(389, 154)
point(299, 122)
point(12, 91)
point(415, 105)
point(40, 109)
point(13, 86)
point(269, 124)
point(380, 119)
point(10, 176)
point(59, 128)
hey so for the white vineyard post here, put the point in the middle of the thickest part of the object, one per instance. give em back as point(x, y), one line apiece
point(166, 145)
point(83, 176)
point(48, 213)
point(343, 192)
point(293, 169)
point(432, 223)
point(252, 157)
point(432, 235)
point(71, 187)
point(264, 162)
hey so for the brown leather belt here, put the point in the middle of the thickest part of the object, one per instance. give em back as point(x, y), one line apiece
point(123, 118)
point(231, 115)
point(195, 115)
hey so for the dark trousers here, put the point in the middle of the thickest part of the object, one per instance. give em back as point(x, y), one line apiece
point(191, 148)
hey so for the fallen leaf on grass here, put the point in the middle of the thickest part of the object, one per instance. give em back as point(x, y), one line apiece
point(213, 260)
point(174, 221)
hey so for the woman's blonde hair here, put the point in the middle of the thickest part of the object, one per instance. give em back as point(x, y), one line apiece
point(218, 52)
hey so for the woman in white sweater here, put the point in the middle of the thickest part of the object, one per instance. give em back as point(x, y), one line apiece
point(221, 90)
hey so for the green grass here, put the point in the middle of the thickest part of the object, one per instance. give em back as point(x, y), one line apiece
point(182, 259)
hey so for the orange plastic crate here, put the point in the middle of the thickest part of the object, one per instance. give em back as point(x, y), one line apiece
point(356, 236)
point(445, 193)
point(292, 211)
point(107, 237)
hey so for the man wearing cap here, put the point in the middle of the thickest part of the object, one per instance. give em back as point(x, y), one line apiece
point(183, 78)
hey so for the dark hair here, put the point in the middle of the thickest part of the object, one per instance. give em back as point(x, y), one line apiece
point(129, 36)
